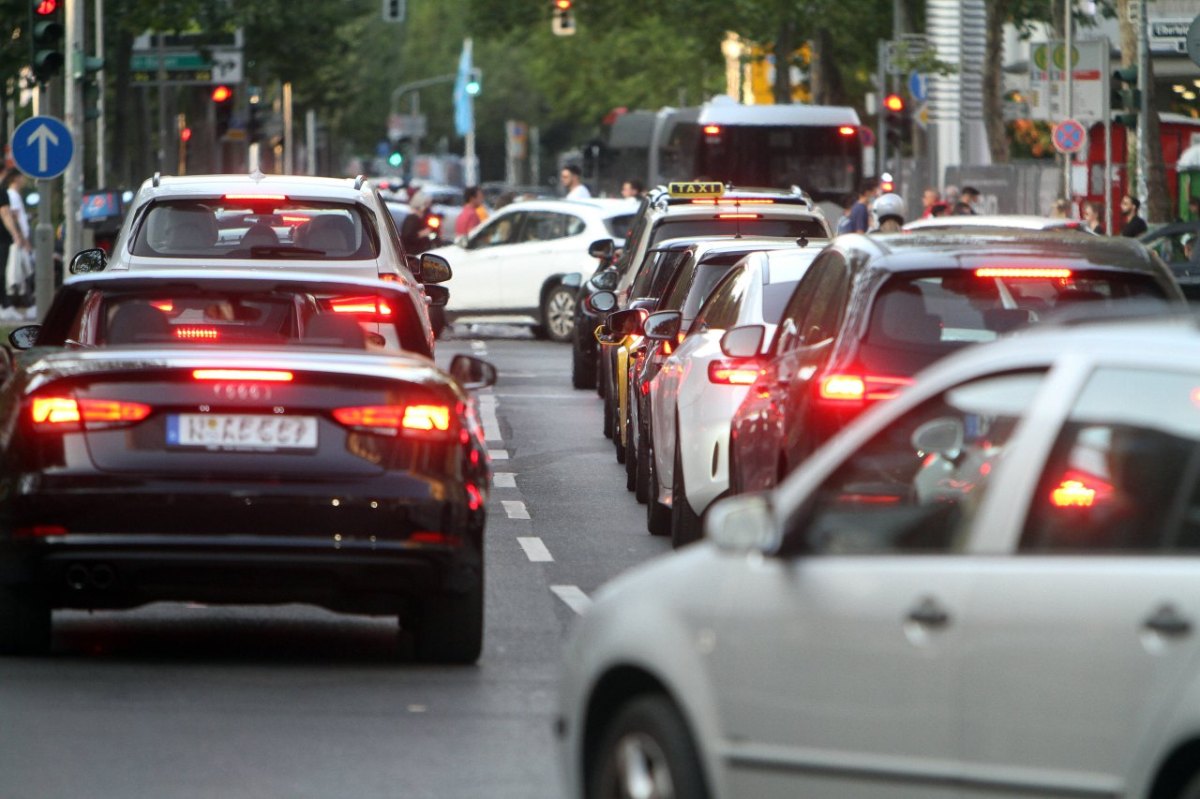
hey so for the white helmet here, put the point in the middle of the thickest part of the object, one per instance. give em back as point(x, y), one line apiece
point(889, 205)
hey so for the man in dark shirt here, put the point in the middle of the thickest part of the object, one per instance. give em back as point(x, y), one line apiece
point(860, 215)
point(1134, 225)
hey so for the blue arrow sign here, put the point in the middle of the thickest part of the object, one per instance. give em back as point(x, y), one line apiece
point(918, 87)
point(42, 147)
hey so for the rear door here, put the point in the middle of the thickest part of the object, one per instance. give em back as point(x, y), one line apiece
point(548, 243)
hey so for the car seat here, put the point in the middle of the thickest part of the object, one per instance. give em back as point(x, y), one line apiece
point(900, 316)
point(260, 234)
point(190, 230)
point(330, 234)
point(138, 323)
point(335, 330)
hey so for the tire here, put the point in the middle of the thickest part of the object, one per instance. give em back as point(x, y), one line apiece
point(24, 622)
point(558, 313)
point(646, 745)
point(658, 515)
point(642, 488)
point(448, 628)
point(685, 522)
point(630, 453)
point(583, 369)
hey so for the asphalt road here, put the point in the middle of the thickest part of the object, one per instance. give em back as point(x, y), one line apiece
point(176, 700)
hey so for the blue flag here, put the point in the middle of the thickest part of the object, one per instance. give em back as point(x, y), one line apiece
point(464, 103)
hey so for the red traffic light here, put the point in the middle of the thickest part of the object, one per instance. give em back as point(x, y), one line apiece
point(562, 5)
point(221, 94)
point(185, 134)
point(44, 8)
point(894, 102)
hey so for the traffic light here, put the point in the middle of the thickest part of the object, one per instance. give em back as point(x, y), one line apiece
point(45, 40)
point(1124, 96)
point(895, 119)
point(474, 82)
point(563, 21)
point(87, 75)
point(222, 98)
point(395, 157)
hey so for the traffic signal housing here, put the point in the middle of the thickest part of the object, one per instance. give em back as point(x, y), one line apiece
point(896, 119)
point(87, 75)
point(1125, 100)
point(46, 57)
point(562, 23)
point(222, 99)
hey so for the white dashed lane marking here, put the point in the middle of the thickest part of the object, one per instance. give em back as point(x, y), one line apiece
point(504, 480)
point(515, 509)
point(498, 454)
point(574, 598)
point(487, 417)
point(535, 550)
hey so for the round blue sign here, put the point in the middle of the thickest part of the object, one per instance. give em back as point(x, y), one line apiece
point(1069, 136)
point(42, 147)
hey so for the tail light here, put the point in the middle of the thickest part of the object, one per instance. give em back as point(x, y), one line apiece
point(417, 421)
point(196, 333)
point(267, 375)
point(433, 222)
point(63, 413)
point(853, 388)
point(733, 372)
point(1080, 490)
point(847, 130)
point(360, 306)
point(1024, 272)
point(739, 216)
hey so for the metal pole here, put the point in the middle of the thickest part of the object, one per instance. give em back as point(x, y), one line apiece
point(162, 103)
point(416, 139)
point(310, 142)
point(880, 123)
point(1143, 112)
point(101, 129)
point(43, 232)
point(73, 114)
point(289, 160)
point(1068, 86)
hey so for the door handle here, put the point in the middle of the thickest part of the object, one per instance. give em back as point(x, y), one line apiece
point(1169, 622)
point(929, 613)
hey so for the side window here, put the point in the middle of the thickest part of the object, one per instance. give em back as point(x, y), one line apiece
point(544, 226)
point(497, 231)
point(1124, 473)
point(720, 310)
point(916, 485)
point(790, 324)
point(824, 310)
point(573, 226)
point(681, 283)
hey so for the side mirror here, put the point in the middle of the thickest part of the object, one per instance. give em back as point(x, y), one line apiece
point(602, 301)
point(86, 261)
point(662, 326)
point(646, 304)
point(943, 436)
point(24, 338)
point(602, 248)
point(438, 296)
point(472, 373)
point(741, 524)
point(434, 269)
point(605, 280)
point(743, 342)
point(626, 323)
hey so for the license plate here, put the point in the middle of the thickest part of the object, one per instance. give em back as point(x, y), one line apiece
point(241, 431)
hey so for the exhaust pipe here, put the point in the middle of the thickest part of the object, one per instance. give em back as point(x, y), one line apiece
point(77, 577)
point(103, 577)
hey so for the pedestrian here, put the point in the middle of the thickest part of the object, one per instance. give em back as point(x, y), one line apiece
point(962, 208)
point(469, 218)
point(415, 234)
point(860, 215)
point(929, 198)
point(633, 188)
point(15, 246)
point(1134, 225)
point(572, 182)
point(1091, 218)
point(843, 225)
point(1061, 209)
point(971, 196)
point(940, 209)
point(889, 213)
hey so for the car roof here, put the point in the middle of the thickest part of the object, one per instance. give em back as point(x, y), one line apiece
point(299, 185)
point(274, 277)
point(1014, 221)
point(913, 251)
point(605, 206)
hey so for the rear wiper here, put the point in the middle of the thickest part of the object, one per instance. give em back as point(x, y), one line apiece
point(272, 249)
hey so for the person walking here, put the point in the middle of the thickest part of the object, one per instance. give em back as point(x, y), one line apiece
point(469, 218)
point(1134, 225)
point(860, 214)
point(632, 188)
point(415, 234)
point(572, 182)
point(1091, 218)
point(15, 246)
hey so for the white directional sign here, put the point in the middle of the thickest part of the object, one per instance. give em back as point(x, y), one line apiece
point(1089, 81)
point(42, 147)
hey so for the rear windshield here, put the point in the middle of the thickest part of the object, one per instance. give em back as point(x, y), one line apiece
point(915, 320)
point(216, 228)
point(691, 228)
point(189, 316)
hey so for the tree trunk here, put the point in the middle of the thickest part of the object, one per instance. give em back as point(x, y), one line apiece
point(785, 46)
point(993, 81)
point(824, 76)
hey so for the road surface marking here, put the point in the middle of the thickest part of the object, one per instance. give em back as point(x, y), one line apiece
point(504, 480)
point(487, 417)
point(578, 395)
point(498, 454)
point(535, 550)
point(515, 509)
point(575, 599)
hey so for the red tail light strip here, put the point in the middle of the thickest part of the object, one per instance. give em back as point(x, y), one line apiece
point(733, 372)
point(1023, 271)
point(860, 388)
point(66, 413)
point(267, 375)
point(429, 421)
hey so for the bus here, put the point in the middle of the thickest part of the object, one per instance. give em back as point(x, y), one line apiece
point(817, 148)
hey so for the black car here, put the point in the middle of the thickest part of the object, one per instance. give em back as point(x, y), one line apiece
point(240, 438)
point(1178, 244)
point(873, 310)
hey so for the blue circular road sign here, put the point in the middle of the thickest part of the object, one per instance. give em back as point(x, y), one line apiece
point(918, 86)
point(1069, 136)
point(42, 147)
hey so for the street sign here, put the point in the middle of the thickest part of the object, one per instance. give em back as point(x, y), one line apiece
point(1169, 35)
point(921, 116)
point(1193, 41)
point(42, 147)
point(189, 66)
point(918, 86)
point(1069, 136)
point(1090, 77)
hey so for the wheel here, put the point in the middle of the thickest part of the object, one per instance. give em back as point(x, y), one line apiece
point(685, 522)
point(642, 488)
point(630, 450)
point(24, 622)
point(646, 751)
point(583, 369)
point(558, 313)
point(448, 628)
point(658, 515)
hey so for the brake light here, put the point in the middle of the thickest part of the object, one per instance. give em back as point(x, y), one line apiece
point(66, 413)
point(739, 216)
point(418, 420)
point(255, 197)
point(426, 417)
point(1073, 494)
point(268, 375)
point(295, 220)
point(712, 130)
point(733, 372)
point(1023, 272)
point(847, 130)
point(433, 222)
point(40, 531)
point(372, 306)
point(860, 388)
point(196, 333)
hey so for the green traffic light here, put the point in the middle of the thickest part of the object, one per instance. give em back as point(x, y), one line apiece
point(395, 159)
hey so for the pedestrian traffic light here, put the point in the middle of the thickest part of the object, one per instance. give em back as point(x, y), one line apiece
point(45, 39)
point(222, 98)
point(895, 119)
point(1125, 100)
point(563, 21)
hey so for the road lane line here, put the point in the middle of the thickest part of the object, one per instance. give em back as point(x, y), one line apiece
point(498, 454)
point(515, 509)
point(504, 480)
point(574, 598)
point(577, 396)
point(487, 417)
point(535, 550)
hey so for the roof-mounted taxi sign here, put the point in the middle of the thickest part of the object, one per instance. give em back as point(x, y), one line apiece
point(695, 189)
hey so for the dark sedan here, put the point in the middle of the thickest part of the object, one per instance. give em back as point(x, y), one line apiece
point(244, 439)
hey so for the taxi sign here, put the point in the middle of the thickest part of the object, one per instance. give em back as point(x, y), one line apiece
point(696, 189)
